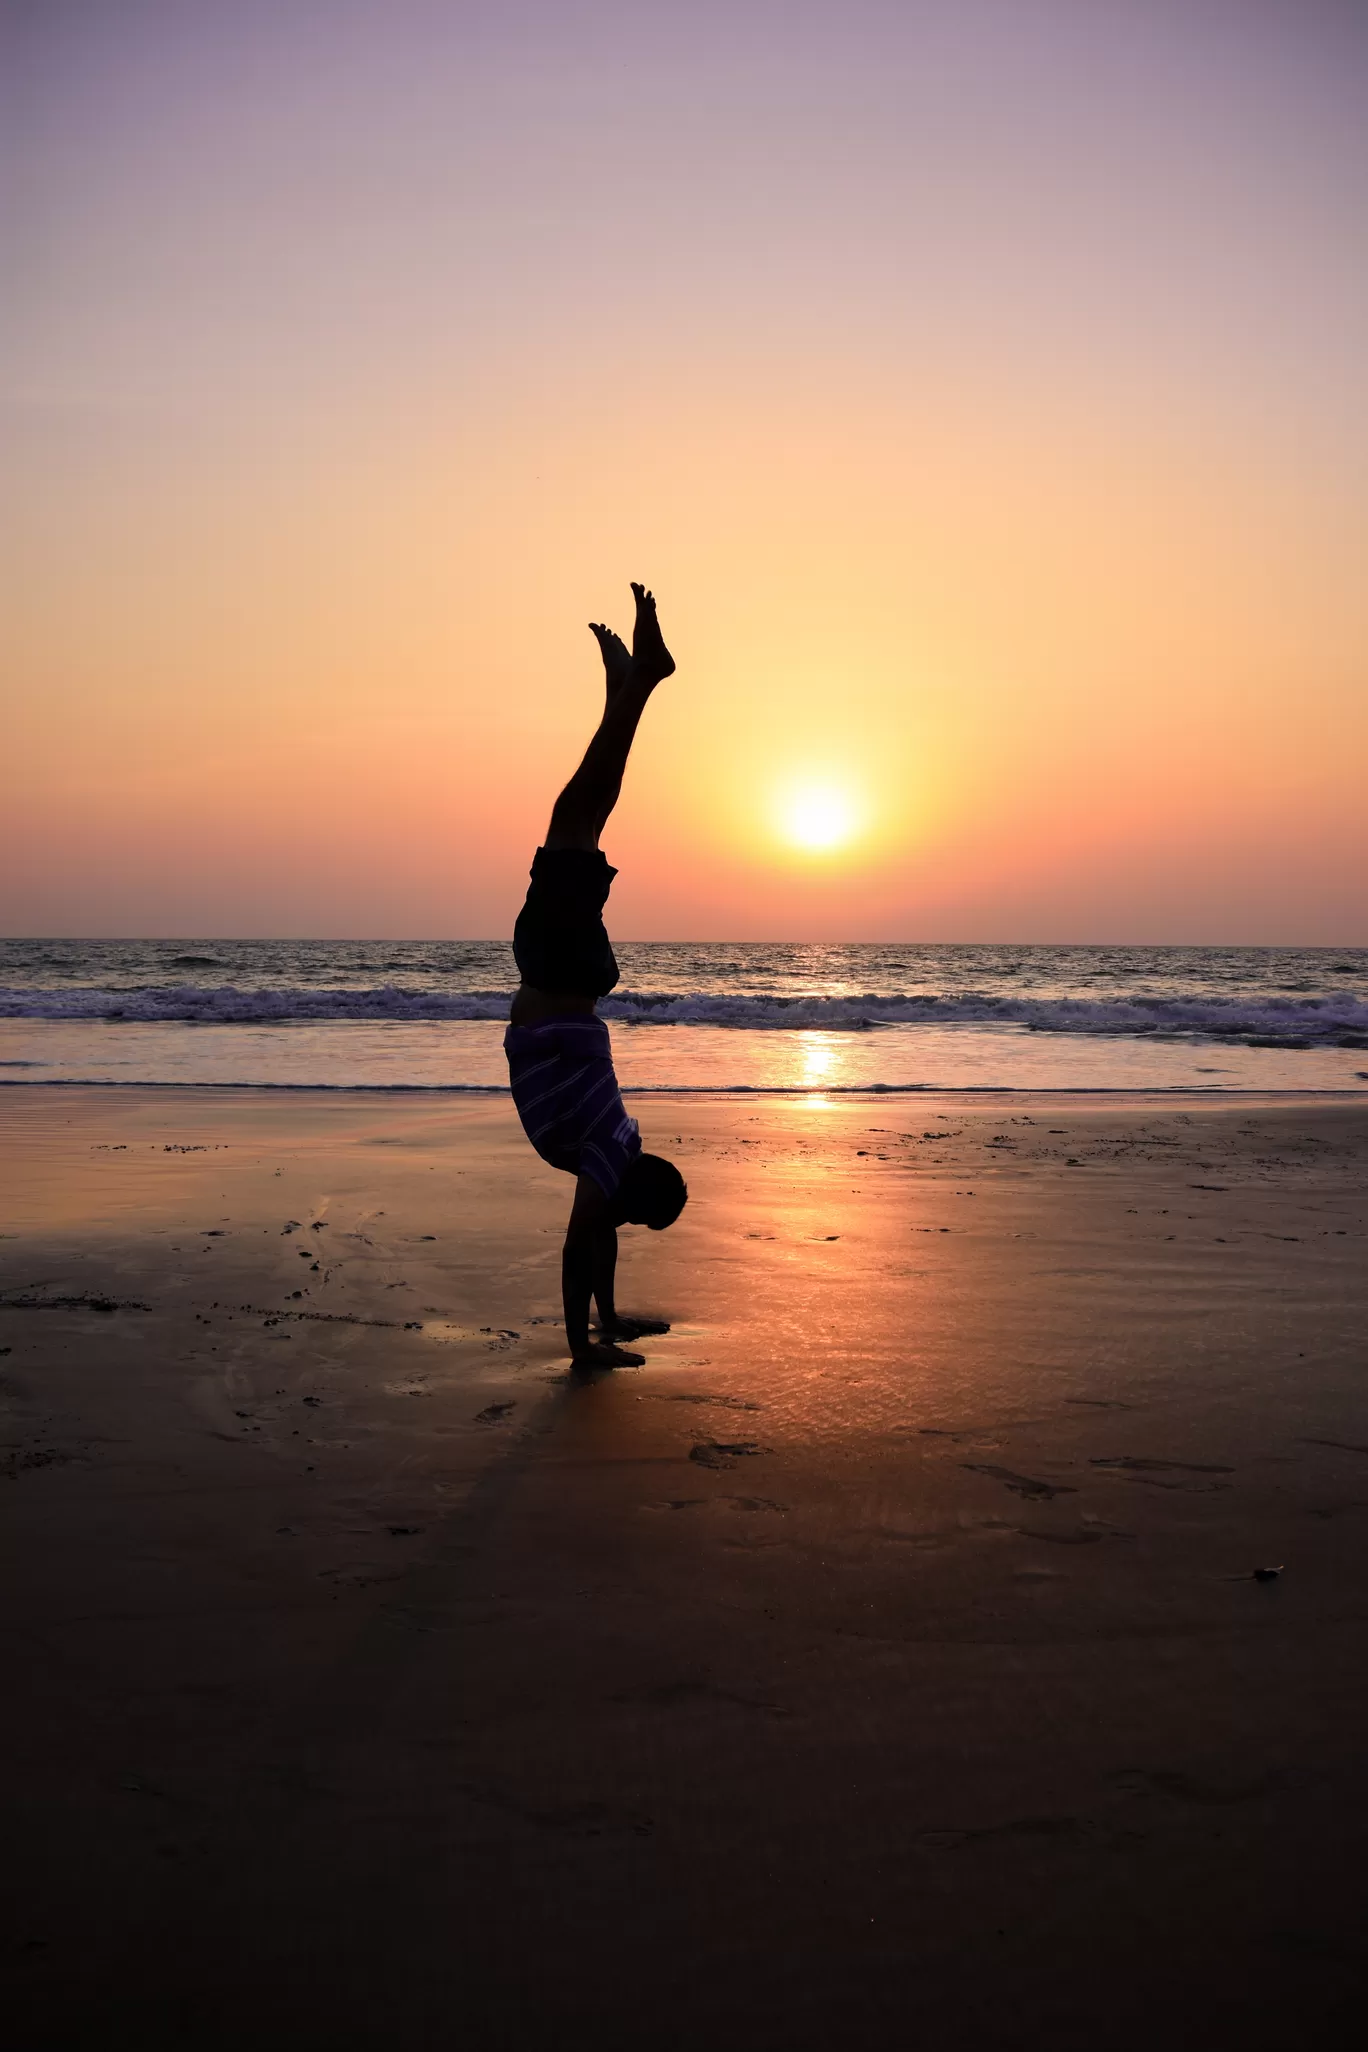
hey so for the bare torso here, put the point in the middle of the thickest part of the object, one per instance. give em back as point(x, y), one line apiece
point(531, 1007)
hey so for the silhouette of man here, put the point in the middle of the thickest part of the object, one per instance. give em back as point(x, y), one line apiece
point(560, 1060)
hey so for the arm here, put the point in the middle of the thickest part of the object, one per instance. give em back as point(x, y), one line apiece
point(587, 1243)
point(611, 1325)
point(605, 1268)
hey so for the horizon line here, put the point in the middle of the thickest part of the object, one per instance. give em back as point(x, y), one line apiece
point(696, 941)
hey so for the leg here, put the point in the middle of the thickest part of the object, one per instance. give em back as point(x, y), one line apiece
point(579, 814)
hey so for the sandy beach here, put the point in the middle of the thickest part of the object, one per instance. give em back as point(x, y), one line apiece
point(885, 1662)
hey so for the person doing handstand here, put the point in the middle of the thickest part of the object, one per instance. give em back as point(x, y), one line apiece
point(560, 1060)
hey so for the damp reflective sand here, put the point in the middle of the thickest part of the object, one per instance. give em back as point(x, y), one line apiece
point(466, 1055)
point(896, 1627)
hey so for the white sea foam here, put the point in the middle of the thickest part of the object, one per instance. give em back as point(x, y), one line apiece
point(1336, 1020)
point(706, 1015)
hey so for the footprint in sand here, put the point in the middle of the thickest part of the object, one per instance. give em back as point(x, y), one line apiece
point(718, 1453)
point(1021, 1485)
point(1157, 1474)
point(1139, 1461)
point(1075, 1535)
point(741, 1503)
point(721, 1403)
point(688, 1695)
point(1018, 1827)
point(1194, 1788)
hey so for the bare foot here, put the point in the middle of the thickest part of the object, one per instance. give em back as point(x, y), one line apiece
point(617, 661)
point(651, 660)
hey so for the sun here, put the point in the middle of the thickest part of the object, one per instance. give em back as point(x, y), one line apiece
point(817, 816)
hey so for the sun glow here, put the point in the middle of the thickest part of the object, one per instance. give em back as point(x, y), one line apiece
point(817, 816)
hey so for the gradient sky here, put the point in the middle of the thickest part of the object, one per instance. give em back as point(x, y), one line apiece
point(981, 386)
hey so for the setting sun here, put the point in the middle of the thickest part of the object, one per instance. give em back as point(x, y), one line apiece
point(818, 816)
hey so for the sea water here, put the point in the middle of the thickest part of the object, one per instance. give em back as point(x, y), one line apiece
point(810, 1018)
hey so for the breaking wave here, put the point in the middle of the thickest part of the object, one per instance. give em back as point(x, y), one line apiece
point(1331, 1021)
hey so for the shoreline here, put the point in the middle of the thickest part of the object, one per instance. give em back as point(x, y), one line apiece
point(1167, 1092)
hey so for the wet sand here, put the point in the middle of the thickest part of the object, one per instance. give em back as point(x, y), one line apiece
point(883, 1663)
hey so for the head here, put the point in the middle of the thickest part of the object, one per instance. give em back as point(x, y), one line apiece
point(652, 1193)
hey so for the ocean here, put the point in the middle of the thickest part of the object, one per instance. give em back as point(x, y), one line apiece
point(752, 1016)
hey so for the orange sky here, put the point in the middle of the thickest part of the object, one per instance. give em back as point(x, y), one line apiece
point(984, 406)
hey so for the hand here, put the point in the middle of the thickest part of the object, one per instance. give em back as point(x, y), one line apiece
point(626, 1328)
point(601, 1354)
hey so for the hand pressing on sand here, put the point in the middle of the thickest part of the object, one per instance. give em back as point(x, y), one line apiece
point(588, 1265)
point(602, 1354)
point(624, 1327)
point(588, 1268)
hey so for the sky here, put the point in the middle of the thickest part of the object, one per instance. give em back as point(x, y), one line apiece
point(980, 387)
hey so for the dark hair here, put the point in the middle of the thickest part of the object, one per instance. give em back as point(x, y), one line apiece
point(652, 1193)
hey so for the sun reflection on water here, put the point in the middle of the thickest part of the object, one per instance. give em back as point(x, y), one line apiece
point(817, 1057)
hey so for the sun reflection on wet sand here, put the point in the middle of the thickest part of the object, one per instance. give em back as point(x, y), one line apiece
point(866, 1272)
